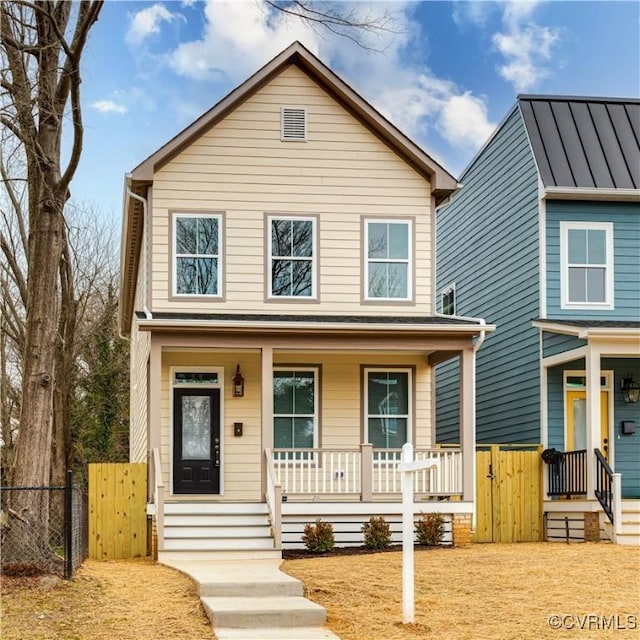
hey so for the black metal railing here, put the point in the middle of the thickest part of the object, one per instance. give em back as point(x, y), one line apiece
point(43, 529)
point(604, 484)
point(566, 472)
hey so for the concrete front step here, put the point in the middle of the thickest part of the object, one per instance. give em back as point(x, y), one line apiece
point(241, 579)
point(276, 633)
point(273, 611)
point(173, 558)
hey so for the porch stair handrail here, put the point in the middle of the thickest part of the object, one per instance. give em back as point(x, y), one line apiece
point(158, 495)
point(273, 497)
point(604, 485)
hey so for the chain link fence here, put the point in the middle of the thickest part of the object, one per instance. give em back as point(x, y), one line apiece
point(32, 544)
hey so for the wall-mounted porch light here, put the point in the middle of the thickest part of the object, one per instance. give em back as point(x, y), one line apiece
point(630, 389)
point(238, 384)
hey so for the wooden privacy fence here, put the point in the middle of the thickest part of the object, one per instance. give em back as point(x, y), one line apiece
point(509, 493)
point(117, 510)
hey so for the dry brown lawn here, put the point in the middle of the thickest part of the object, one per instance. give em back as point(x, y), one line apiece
point(119, 600)
point(481, 592)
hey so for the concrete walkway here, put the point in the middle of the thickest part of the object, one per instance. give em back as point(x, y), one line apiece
point(254, 600)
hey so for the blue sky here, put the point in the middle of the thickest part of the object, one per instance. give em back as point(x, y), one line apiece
point(447, 76)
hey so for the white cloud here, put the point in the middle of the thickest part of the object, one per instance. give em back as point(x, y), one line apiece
point(147, 21)
point(240, 37)
point(108, 106)
point(473, 13)
point(527, 48)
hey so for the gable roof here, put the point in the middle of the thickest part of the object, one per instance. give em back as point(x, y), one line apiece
point(442, 182)
point(584, 143)
point(136, 182)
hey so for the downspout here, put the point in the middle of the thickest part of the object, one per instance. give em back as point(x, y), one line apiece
point(478, 343)
point(135, 196)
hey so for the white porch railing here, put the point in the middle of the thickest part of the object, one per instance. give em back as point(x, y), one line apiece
point(274, 499)
point(366, 471)
point(445, 479)
point(318, 471)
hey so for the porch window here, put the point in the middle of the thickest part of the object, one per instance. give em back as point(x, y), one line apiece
point(587, 265)
point(388, 259)
point(197, 254)
point(295, 408)
point(292, 256)
point(388, 408)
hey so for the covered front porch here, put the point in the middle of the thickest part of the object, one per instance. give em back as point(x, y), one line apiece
point(317, 427)
point(590, 417)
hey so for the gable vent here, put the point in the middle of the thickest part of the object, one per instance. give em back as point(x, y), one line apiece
point(294, 124)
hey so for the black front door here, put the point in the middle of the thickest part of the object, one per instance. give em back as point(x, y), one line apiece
point(196, 440)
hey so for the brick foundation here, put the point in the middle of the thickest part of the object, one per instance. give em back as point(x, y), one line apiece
point(591, 527)
point(461, 531)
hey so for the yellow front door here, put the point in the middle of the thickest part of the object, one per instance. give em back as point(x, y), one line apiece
point(577, 421)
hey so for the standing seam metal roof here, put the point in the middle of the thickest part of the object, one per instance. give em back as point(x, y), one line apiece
point(584, 142)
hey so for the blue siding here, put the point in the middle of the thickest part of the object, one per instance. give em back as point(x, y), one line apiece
point(625, 217)
point(487, 241)
point(555, 343)
point(626, 448)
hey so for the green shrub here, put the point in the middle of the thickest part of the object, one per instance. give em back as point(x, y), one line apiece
point(430, 529)
point(377, 534)
point(318, 537)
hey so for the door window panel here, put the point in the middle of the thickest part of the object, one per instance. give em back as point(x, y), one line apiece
point(196, 428)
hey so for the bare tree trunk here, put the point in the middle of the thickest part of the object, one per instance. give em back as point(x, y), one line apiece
point(41, 78)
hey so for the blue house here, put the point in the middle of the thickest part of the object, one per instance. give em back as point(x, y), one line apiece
point(543, 240)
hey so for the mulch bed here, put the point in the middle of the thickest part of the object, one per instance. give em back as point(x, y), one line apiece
point(300, 554)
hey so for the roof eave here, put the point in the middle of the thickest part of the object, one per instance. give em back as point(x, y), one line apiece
point(591, 193)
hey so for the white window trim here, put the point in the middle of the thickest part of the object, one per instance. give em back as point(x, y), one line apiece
point(175, 255)
point(314, 257)
point(408, 416)
point(451, 288)
point(408, 261)
point(316, 417)
point(565, 303)
point(209, 385)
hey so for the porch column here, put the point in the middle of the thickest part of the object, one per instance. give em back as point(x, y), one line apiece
point(593, 415)
point(468, 425)
point(267, 408)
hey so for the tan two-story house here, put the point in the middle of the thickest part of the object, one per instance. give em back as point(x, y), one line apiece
point(278, 291)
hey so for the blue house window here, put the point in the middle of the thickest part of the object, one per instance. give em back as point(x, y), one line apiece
point(586, 256)
point(448, 300)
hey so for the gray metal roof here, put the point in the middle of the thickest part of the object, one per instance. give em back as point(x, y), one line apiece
point(600, 324)
point(584, 142)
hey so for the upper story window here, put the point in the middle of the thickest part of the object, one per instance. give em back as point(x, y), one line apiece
point(586, 262)
point(197, 254)
point(448, 300)
point(388, 268)
point(292, 257)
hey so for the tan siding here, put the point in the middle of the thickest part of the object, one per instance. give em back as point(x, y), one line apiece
point(342, 173)
point(140, 347)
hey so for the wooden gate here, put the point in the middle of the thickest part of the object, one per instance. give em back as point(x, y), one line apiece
point(509, 493)
point(117, 510)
